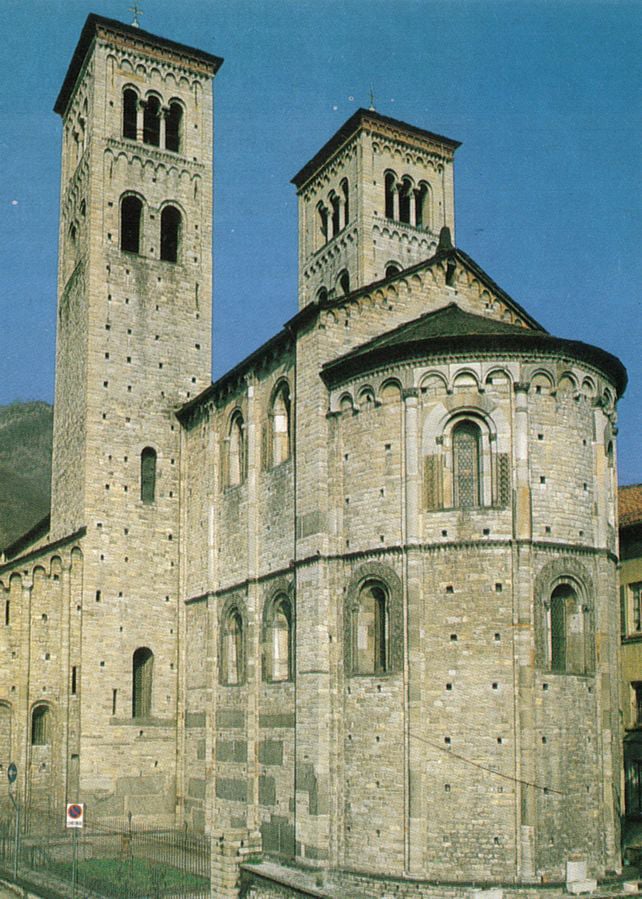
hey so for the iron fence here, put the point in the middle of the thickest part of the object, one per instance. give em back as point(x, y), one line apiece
point(118, 859)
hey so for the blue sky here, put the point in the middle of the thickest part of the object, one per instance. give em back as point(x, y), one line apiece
point(545, 96)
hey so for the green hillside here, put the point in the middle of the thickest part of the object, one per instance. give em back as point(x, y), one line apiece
point(25, 467)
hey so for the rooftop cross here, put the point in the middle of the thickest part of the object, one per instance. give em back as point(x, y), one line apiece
point(136, 12)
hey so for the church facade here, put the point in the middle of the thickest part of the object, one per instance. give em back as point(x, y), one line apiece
point(354, 604)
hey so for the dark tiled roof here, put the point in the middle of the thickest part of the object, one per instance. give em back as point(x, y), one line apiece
point(630, 504)
point(451, 331)
point(449, 321)
point(87, 36)
point(350, 127)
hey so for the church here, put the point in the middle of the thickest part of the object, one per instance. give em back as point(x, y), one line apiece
point(352, 607)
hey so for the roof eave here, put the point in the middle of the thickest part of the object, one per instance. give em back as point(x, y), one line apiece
point(86, 42)
point(350, 365)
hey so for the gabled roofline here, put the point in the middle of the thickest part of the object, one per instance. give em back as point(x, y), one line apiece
point(86, 40)
point(349, 128)
point(309, 312)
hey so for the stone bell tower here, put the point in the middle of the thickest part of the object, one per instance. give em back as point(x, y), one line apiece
point(133, 344)
point(371, 202)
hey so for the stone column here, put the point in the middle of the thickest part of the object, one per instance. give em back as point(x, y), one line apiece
point(253, 663)
point(414, 664)
point(230, 848)
point(395, 202)
point(412, 204)
point(163, 113)
point(524, 638)
point(522, 511)
point(140, 112)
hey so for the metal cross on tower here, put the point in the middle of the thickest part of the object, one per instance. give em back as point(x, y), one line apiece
point(136, 12)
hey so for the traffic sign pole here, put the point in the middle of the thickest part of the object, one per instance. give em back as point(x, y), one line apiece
point(74, 867)
point(12, 774)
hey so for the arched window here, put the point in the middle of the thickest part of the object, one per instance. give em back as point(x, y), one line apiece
point(422, 216)
point(173, 127)
point(40, 726)
point(280, 422)
point(131, 214)
point(336, 214)
point(390, 188)
point(392, 269)
point(344, 282)
point(558, 628)
point(171, 221)
point(130, 107)
point(278, 642)
point(322, 295)
point(371, 632)
point(405, 197)
point(569, 632)
point(236, 451)
point(151, 122)
point(232, 661)
point(148, 475)
point(345, 190)
point(322, 220)
point(466, 438)
point(142, 673)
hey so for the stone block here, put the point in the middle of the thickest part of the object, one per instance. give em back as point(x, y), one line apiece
point(231, 788)
point(579, 887)
point(271, 752)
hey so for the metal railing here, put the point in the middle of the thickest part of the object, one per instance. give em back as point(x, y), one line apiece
point(118, 859)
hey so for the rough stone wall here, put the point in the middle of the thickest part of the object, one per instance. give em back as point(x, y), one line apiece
point(134, 343)
point(41, 667)
point(247, 530)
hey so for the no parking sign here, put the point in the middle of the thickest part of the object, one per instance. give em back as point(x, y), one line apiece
point(75, 814)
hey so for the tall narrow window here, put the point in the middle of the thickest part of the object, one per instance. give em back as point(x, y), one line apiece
point(344, 282)
point(336, 214)
point(142, 673)
point(558, 629)
point(466, 459)
point(173, 125)
point(236, 452)
point(130, 106)
point(151, 122)
point(636, 602)
point(148, 475)
point(345, 190)
point(322, 219)
point(232, 660)
point(7, 612)
point(281, 425)
point(371, 631)
point(405, 196)
point(279, 640)
point(390, 188)
point(40, 726)
point(636, 688)
point(131, 213)
point(170, 233)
